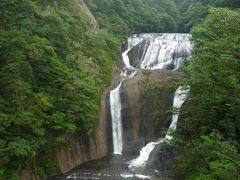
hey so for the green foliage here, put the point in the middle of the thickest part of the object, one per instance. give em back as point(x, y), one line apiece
point(194, 11)
point(48, 87)
point(216, 65)
point(213, 102)
point(122, 17)
point(210, 157)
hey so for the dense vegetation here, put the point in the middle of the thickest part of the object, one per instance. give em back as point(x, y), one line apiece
point(193, 11)
point(209, 134)
point(122, 17)
point(52, 72)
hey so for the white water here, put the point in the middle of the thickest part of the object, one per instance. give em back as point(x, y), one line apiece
point(139, 176)
point(164, 50)
point(179, 98)
point(160, 52)
point(106, 176)
point(126, 59)
point(141, 160)
point(115, 102)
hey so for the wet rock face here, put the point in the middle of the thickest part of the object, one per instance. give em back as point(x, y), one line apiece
point(78, 149)
point(131, 116)
point(28, 174)
point(161, 161)
point(145, 110)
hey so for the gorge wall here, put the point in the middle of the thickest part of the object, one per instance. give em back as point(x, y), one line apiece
point(78, 149)
point(145, 107)
point(82, 148)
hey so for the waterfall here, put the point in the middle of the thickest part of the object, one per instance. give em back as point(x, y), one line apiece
point(161, 51)
point(179, 98)
point(115, 102)
point(165, 51)
point(141, 160)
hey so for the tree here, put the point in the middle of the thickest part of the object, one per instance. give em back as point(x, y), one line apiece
point(213, 102)
point(209, 157)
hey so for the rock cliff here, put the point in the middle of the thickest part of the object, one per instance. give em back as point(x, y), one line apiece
point(93, 24)
point(79, 149)
point(147, 98)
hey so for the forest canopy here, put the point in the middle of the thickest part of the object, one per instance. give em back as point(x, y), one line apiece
point(193, 11)
point(208, 135)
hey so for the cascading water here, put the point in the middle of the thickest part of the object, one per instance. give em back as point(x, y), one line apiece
point(115, 102)
point(179, 98)
point(167, 51)
point(164, 51)
point(161, 51)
